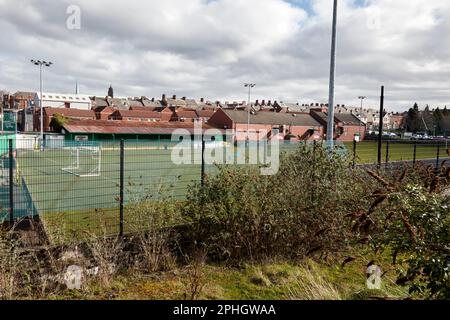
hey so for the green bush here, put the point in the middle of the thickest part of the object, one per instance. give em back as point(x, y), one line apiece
point(240, 213)
point(412, 221)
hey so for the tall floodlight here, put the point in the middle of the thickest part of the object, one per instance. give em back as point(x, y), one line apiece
point(360, 114)
point(362, 99)
point(330, 122)
point(40, 64)
point(249, 86)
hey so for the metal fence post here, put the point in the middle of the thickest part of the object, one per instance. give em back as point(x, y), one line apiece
point(415, 153)
point(203, 162)
point(438, 156)
point(265, 151)
point(11, 183)
point(354, 154)
point(122, 168)
point(387, 153)
point(380, 129)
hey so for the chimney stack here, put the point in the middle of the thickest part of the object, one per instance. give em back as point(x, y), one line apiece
point(184, 98)
point(257, 103)
point(202, 100)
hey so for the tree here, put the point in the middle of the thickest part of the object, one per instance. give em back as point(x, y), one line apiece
point(58, 121)
point(413, 119)
point(437, 120)
point(427, 120)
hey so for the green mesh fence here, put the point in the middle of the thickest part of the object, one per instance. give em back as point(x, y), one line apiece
point(77, 184)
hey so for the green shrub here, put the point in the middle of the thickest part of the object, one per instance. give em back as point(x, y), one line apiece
point(297, 212)
point(412, 221)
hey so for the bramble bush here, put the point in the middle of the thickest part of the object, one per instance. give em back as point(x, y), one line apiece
point(298, 212)
point(411, 219)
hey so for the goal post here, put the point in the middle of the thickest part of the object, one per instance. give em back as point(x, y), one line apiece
point(85, 161)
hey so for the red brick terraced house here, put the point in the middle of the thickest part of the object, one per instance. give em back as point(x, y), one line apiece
point(205, 115)
point(182, 115)
point(134, 115)
point(297, 127)
point(346, 125)
point(103, 112)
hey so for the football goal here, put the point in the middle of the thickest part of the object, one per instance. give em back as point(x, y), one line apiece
point(84, 161)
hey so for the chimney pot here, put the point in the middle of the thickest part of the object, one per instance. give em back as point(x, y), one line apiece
point(184, 98)
point(202, 100)
point(174, 97)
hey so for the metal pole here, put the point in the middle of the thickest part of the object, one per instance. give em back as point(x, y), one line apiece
point(380, 129)
point(11, 183)
point(121, 196)
point(438, 152)
point(330, 125)
point(248, 110)
point(203, 162)
point(354, 154)
point(415, 153)
point(250, 86)
point(15, 120)
point(360, 122)
point(42, 110)
point(387, 153)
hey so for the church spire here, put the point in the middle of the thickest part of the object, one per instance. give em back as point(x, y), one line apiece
point(110, 91)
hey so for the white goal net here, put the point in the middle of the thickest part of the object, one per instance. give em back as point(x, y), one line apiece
point(84, 161)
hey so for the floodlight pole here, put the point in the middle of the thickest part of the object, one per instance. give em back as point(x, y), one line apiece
point(330, 122)
point(40, 64)
point(360, 121)
point(249, 86)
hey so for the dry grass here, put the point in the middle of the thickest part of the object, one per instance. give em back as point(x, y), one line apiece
point(311, 285)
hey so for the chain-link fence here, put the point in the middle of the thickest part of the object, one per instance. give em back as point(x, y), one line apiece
point(91, 186)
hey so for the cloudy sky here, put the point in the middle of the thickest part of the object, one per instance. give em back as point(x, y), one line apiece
point(209, 48)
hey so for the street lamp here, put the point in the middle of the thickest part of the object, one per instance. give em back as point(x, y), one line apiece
point(362, 98)
point(330, 121)
point(361, 110)
point(40, 64)
point(249, 86)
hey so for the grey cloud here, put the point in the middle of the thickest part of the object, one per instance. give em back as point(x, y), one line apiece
point(208, 49)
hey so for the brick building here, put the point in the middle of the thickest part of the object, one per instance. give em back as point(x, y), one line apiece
point(73, 114)
point(300, 127)
point(346, 125)
point(135, 115)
